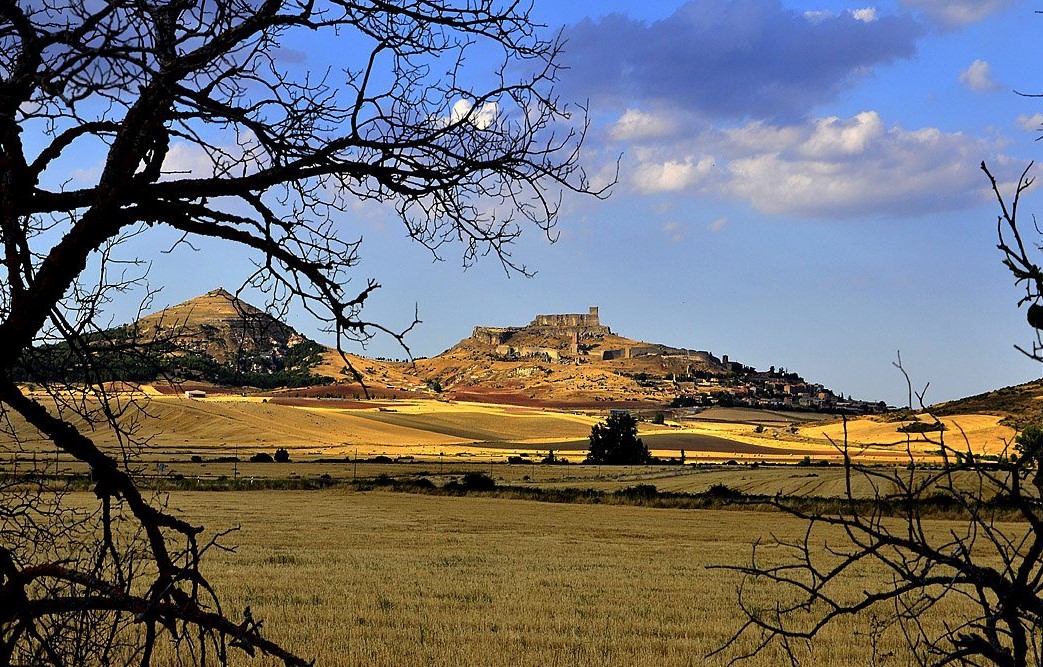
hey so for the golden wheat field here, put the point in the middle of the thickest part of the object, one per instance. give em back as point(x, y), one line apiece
point(176, 428)
point(353, 578)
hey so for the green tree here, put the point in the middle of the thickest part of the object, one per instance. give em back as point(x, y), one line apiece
point(615, 442)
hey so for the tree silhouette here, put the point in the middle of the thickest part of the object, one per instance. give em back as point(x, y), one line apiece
point(615, 442)
point(200, 123)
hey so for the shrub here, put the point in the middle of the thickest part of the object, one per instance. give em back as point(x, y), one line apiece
point(477, 481)
point(723, 491)
point(645, 491)
point(262, 457)
point(921, 427)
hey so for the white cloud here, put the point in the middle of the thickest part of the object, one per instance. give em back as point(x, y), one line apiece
point(671, 175)
point(675, 231)
point(836, 138)
point(1033, 123)
point(955, 13)
point(978, 77)
point(637, 124)
point(818, 15)
point(483, 118)
point(865, 15)
point(858, 168)
point(824, 168)
point(187, 160)
point(717, 225)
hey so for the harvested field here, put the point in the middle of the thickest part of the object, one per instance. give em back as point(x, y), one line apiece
point(698, 442)
point(752, 416)
point(483, 426)
point(395, 579)
point(524, 398)
point(981, 433)
point(223, 424)
point(330, 403)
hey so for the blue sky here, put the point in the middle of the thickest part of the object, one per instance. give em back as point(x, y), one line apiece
point(798, 187)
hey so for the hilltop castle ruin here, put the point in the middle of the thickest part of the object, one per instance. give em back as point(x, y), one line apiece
point(581, 325)
point(578, 333)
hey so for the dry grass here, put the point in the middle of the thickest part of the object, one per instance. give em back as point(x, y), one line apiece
point(395, 579)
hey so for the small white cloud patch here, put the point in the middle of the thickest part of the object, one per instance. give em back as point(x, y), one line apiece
point(717, 225)
point(1033, 123)
point(674, 231)
point(637, 124)
point(671, 175)
point(955, 13)
point(818, 15)
point(835, 138)
point(978, 77)
point(865, 15)
point(483, 118)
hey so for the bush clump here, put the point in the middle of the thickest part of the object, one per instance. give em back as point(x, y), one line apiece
point(723, 491)
point(642, 491)
point(472, 481)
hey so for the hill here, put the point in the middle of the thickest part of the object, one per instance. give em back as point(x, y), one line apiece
point(564, 359)
point(216, 338)
point(1018, 405)
point(224, 328)
point(558, 360)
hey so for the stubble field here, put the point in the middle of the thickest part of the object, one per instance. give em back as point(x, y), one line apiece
point(377, 578)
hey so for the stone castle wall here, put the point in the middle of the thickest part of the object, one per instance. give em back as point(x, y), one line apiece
point(543, 352)
point(568, 320)
point(574, 326)
point(631, 352)
point(493, 335)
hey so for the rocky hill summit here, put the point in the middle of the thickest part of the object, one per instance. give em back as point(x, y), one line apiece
point(224, 328)
point(220, 338)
